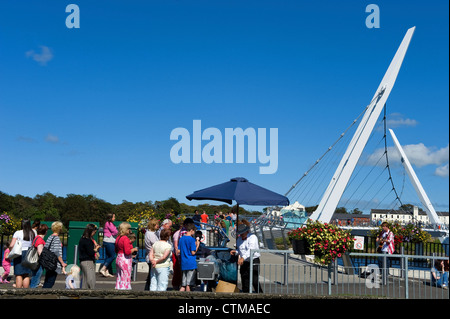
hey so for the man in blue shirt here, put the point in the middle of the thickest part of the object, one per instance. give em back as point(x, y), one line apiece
point(188, 247)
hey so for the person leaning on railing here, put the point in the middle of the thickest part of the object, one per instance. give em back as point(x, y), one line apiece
point(439, 277)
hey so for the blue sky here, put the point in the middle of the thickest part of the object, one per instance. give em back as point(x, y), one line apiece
point(90, 110)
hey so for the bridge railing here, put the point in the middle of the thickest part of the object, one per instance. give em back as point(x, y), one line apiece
point(286, 275)
point(273, 234)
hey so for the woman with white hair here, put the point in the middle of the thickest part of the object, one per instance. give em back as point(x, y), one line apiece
point(166, 224)
point(53, 243)
point(150, 239)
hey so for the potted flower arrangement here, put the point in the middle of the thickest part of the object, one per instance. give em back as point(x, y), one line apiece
point(415, 234)
point(8, 224)
point(325, 241)
point(299, 243)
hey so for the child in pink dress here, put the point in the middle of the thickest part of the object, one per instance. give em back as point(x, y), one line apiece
point(6, 264)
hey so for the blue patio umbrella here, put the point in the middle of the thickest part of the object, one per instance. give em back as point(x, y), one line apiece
point(242, 192)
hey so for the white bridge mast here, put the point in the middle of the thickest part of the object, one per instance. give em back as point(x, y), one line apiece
point(434, 218)
point(340, 179)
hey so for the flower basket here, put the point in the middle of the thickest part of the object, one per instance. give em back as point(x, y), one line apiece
point(144, 216)
point(8, 224)
point(301, 247)
point(326, 242)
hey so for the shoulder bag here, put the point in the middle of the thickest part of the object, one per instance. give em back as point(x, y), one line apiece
point(16, 251)
point(31, 259)
point(48, 259)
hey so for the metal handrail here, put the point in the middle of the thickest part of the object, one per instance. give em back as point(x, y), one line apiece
point(333, 268)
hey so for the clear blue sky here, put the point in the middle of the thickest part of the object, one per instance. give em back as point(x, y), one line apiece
point(90, 110)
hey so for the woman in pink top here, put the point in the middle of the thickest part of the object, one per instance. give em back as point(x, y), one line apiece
point(124, 260)
point(109, 239)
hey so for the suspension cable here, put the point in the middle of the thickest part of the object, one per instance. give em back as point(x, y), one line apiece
point(328, 150)
point(387, 160)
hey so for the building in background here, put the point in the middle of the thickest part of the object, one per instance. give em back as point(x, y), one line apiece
point(405, 217)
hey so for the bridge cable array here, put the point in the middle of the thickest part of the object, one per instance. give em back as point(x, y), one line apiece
point(372, 177)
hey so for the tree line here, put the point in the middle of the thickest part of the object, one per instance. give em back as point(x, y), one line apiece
point(75, 207)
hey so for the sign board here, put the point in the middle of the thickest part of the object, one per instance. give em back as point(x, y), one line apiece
point(204, 238)
point(359, 243)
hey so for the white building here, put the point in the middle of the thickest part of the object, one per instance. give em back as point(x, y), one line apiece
point(406, 217)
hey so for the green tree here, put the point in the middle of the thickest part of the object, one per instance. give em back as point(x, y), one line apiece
point(76, 208)
point(170, 205)
point(98, 209)
point(24, 207)
point(46, 209)
point(311, 209)
point(356, 211)
point(341, 210)
point(7, 203)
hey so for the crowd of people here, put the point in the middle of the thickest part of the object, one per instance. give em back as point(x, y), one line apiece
point(166, 252)
point(33, 236)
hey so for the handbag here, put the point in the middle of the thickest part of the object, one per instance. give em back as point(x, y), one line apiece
point(31, 259)
point(48, 259)
point(16, 251)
